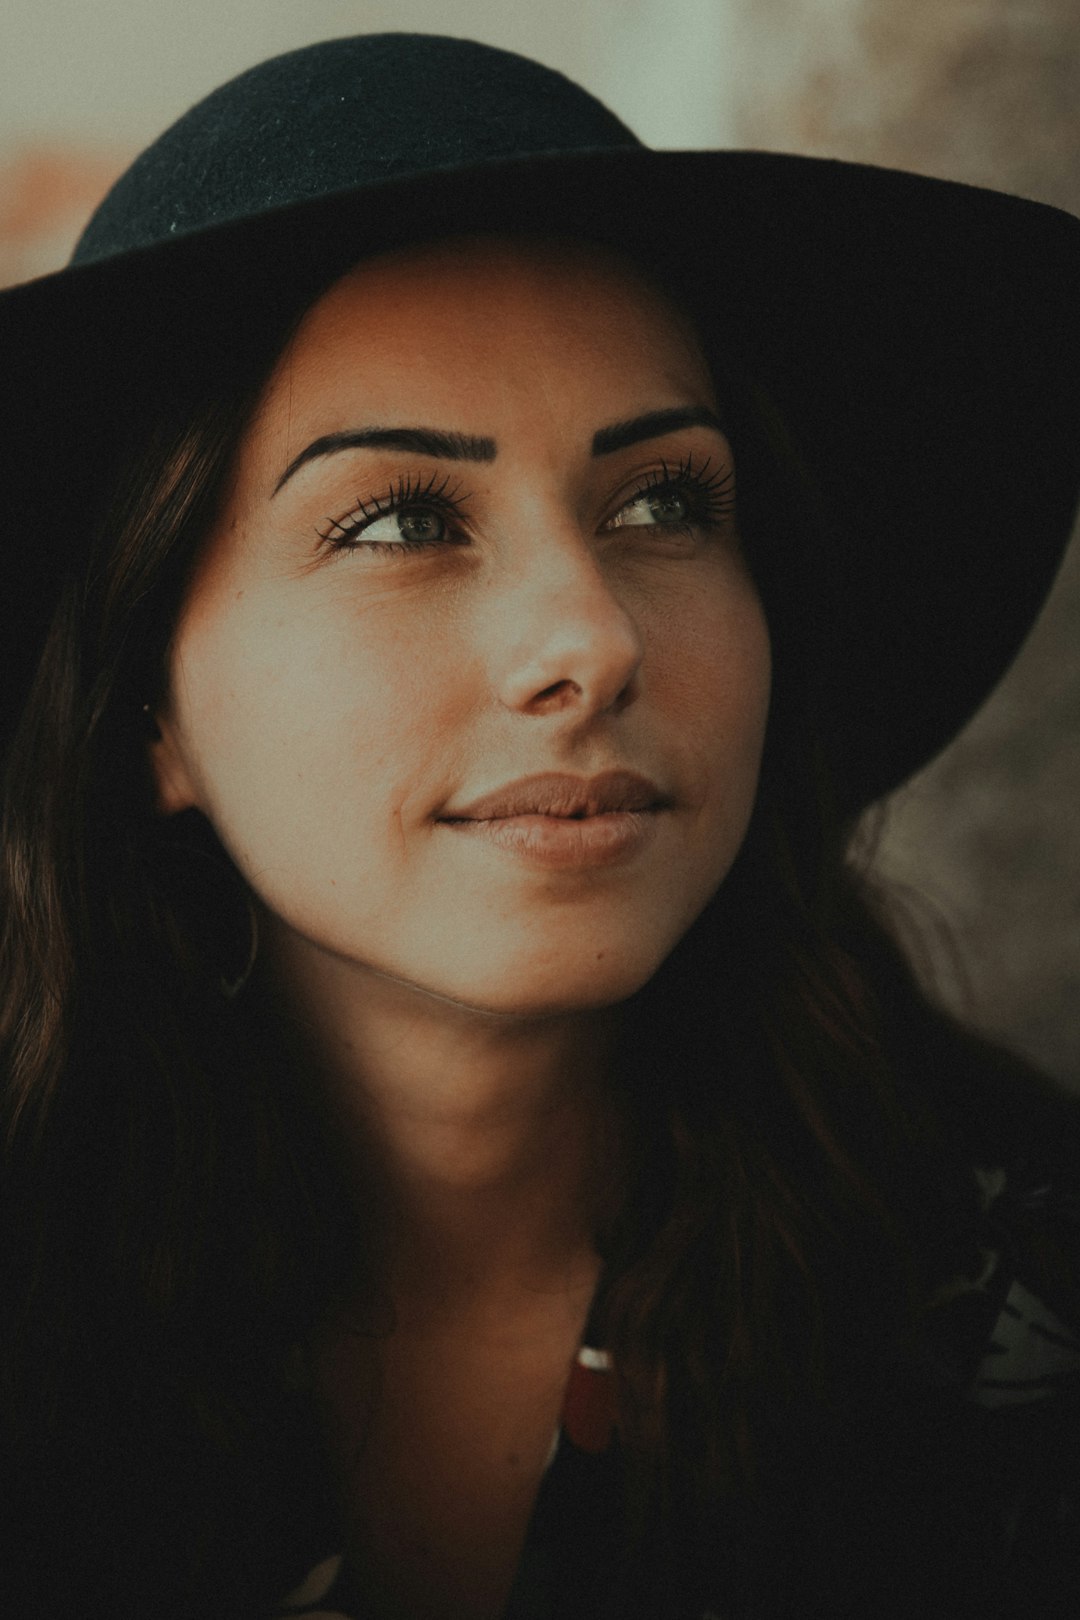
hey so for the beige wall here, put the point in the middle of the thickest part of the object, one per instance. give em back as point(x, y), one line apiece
point(982, 90)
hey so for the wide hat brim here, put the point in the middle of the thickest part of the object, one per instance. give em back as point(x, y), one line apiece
point(920, 338)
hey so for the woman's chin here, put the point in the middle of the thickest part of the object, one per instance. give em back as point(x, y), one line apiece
point(548, 989)
point(523, 983)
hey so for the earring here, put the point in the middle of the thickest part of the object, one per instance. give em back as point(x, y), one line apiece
point(150, 725)
point(205, 890)
point(231, 988)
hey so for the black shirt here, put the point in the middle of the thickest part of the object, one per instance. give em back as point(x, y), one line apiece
point(954, 1493)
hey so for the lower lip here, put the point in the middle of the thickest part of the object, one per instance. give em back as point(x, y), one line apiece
point(558, 843)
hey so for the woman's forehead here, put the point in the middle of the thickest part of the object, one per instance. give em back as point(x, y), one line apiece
point(469, 307)
point(512, 259)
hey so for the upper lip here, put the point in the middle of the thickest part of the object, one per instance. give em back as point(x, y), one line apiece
point(552, 794)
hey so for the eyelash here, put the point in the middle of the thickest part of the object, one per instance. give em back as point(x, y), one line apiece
point(712, 499)
point(402, 493)
point(712, 495)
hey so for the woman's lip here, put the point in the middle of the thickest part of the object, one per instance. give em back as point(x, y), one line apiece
point(562, 842)
point(554, 793)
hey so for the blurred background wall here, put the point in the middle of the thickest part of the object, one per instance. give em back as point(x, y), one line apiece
point(986, 841)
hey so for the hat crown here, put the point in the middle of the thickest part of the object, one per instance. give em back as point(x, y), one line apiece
point(342, 114)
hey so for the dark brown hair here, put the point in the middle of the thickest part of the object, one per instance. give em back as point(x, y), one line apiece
point(802, 1121)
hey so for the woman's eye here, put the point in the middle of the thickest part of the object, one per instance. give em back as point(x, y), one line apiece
point(680, 500)
point(655, 506)
point(416, 525)
point(409, 516)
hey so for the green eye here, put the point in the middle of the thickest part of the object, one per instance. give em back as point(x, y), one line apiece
point(666, 505)
point(420, 524)
point(679, 499)
point(658, 506)
point(408, 517)
point(407, 525)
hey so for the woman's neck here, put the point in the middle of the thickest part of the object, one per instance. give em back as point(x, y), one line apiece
point(490, 1150)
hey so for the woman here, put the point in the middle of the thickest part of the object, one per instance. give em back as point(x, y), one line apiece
point(378, 1108)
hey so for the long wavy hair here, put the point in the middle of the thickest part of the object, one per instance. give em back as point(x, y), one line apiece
point(802, 1119)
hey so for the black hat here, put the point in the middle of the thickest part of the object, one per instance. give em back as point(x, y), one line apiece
point(920, 338)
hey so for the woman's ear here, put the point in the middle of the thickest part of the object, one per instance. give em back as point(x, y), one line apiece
point(175, 790)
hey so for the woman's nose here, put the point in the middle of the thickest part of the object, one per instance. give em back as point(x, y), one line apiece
point(564, 627)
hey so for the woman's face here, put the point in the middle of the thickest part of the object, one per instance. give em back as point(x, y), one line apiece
point(579, 603)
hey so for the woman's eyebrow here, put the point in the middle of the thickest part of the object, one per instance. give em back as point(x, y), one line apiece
point(446, 446)
point(422, 441)
point(652, 425)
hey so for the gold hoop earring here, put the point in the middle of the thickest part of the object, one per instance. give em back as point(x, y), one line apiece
point(231, 988)
point(204, 889)
point(150, 725)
